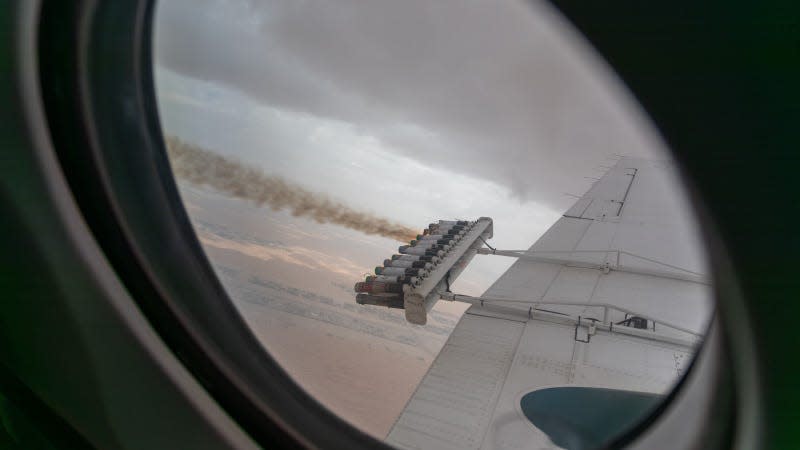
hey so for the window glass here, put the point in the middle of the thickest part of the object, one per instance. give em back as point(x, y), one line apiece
point(310, 140)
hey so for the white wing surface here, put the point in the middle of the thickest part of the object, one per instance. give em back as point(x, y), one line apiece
point(613, 295)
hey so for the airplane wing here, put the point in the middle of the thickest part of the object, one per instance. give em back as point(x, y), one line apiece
point(612, 296)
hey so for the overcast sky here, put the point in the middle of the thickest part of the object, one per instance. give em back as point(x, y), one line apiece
point(413, 109)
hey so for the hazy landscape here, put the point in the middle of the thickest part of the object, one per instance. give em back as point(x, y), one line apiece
point(292, 280)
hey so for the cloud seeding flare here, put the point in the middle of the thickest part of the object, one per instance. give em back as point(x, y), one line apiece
point(202, 167)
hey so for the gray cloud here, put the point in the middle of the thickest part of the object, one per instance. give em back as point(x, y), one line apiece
point(484, 88)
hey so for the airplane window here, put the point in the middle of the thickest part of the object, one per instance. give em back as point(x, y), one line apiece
point(340, 160)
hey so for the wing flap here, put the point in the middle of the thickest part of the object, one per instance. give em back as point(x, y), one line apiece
point(453, 405)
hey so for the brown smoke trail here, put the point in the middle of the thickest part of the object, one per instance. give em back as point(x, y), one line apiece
point(200, 166)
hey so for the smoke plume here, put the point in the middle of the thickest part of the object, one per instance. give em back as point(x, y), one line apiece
point(202, 167)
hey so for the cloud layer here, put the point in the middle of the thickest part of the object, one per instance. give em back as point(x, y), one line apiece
point(491, 90)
